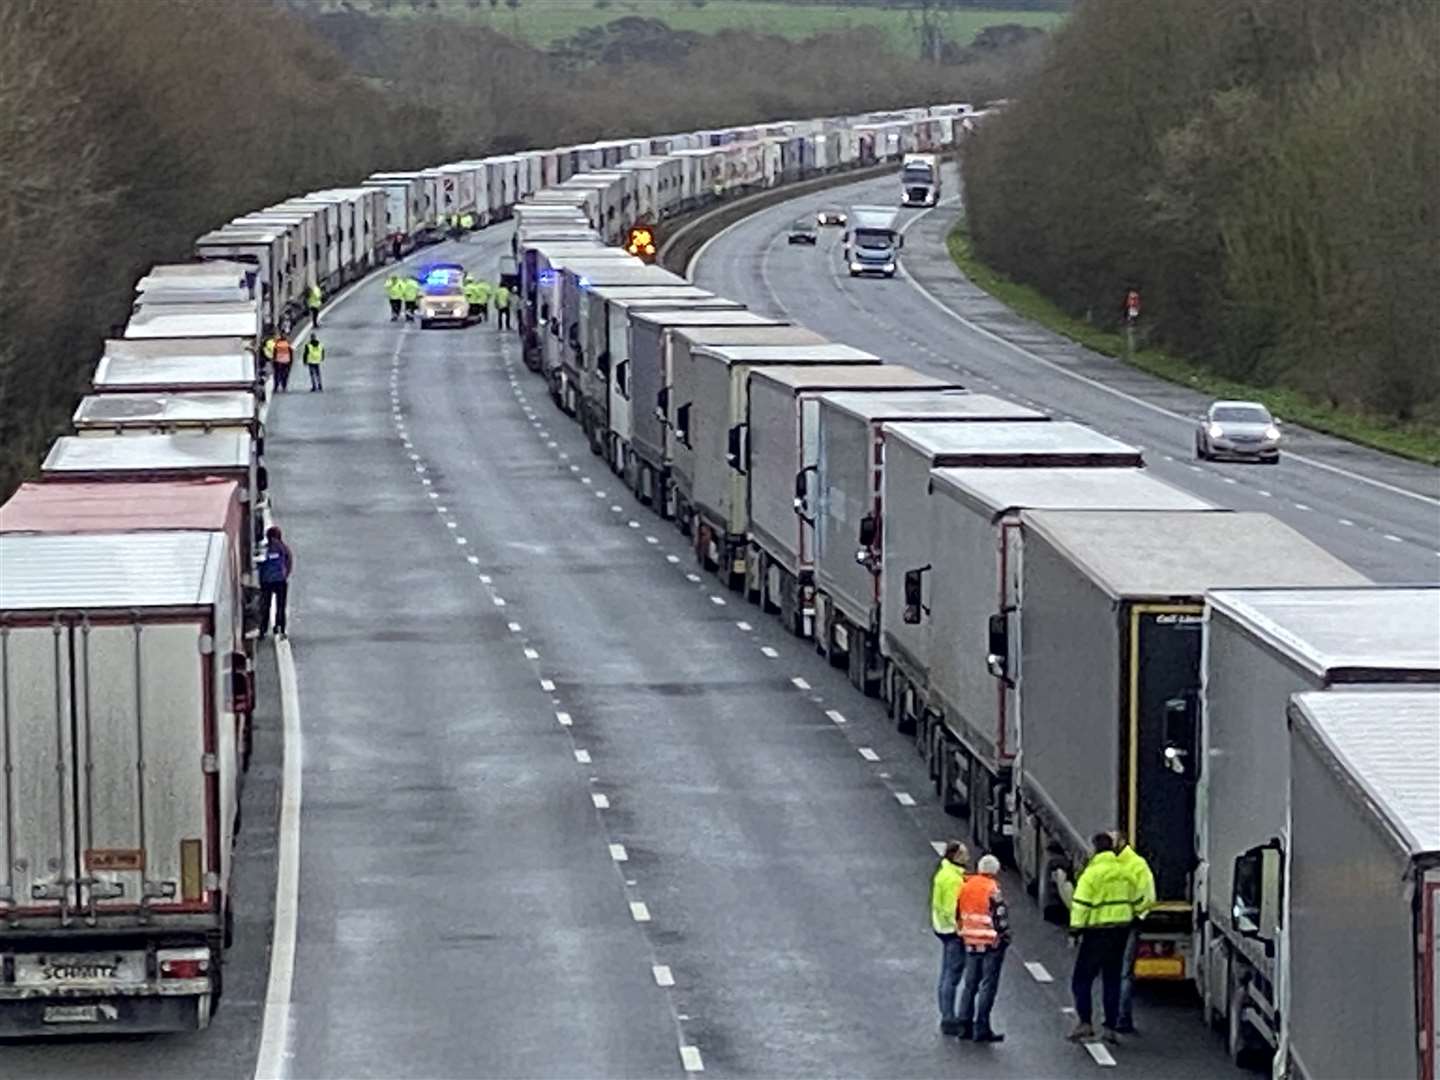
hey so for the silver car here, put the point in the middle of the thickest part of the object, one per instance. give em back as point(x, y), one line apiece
point(1240, 430)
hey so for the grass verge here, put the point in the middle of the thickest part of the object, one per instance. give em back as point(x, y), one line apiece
point(1420, 443)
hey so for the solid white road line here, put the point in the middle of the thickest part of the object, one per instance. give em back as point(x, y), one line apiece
point(1038, 971)
point(275, 1022)
point(1061, 369)
point(663, 975)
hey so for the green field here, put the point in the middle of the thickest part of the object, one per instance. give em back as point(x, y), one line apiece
point(543, 21)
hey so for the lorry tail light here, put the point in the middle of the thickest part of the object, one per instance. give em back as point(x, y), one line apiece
point(1155, 948)
point(183, 963)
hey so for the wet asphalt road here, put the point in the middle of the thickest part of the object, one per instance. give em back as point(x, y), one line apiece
point(571, 808)
point(1390, 532)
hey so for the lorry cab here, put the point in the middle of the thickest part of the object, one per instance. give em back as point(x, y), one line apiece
point(920, 180)
point(872, 243)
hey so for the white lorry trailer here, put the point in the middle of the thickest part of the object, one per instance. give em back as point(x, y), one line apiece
point(1103, 661)
point(650, 376)
point(781, 443)
point(1364, 807)
point(180, 366)
point(1261, 646)
point(120, 780)
point(849, 515)
point(709, 466)
point(920, 180)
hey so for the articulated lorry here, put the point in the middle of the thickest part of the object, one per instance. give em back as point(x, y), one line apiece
point(920, 180)
point(121, 704)
point(872, 242)
point(1103, 661)
point(850, 514)
point(1364, 809)
point(177, 366)
point(1261, 646)
point(781, 436)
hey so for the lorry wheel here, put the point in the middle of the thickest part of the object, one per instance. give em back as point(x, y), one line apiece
point(1052, 908)
point(229, 925)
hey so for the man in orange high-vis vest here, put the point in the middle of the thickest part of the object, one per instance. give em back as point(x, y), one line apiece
point(984, 925)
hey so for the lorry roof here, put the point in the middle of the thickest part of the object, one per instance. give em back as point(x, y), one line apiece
point(219, 274)
point(179, 348)
point(1042, 443)
point(230, 319)
point(932, 404)
point(996, 491)
point(230, 369)
point(773, 334)
point(118, 506)
point(630, 294)
point(1389, 744)
point(1137, 554)
point(1344, 632)
point(623, 273)
point(718, 317)
point(825, 352)
point(218, 407)
point(878, 377)
point(109, 570)
point(188, 450)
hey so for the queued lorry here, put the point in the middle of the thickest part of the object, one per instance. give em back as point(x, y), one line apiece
point(708, 469)
point(605, 348)
point(780, 462)
point(920, 180)
point(651, 335)
point(122, 719)
point(176, 366)
point(1362, 979)
point(850, 516)
point(1261, 647)
point(1098, 651)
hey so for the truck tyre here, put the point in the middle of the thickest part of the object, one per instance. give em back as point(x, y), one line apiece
point(1052, 908)
point(229, 925)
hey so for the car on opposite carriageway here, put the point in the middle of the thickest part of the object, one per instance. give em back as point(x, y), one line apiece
point(1243, 430)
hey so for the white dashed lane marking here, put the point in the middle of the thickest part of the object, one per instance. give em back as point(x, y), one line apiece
point(662, 974)
point(1101, 1055)
point(531, 654)
point(618, 853)
point(563, 719)
point(904, 798)
point(582, 757)
point(638, 911)
point(799, 683)
point(836, 715)
point(1037, 970)
point(743, 625)
point(690, 1058)
point(718, 601)
point(868, 754)
point(499, 601)
point(768, 651)
point(514, 627)
point(602, 802)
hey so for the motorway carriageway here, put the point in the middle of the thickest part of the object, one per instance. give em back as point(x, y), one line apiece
point(1379, 513)
point(571, 808)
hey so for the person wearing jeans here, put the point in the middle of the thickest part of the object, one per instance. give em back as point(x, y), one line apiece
point(1143, 880)
point(944, 892)
point(985, 932)
point(275, 568)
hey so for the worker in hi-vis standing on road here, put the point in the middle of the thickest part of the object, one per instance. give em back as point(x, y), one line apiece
point(313, 300)
point(1101, 911)
point(314, 357)
point(944, 894)
point(1142, 882)
point(395, 293)
point(984, 923)
point(502, 308)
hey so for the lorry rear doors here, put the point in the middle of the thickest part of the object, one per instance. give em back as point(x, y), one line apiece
point(104, 761)
point(1163, 742)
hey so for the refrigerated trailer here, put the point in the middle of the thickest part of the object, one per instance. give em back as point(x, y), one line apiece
point(650, 378)
point(711, 495)
point(118, 714)
point(911, 550)
point(605, 345)
point(976, 578)
point(235, 319)
point(781, 449)
point(1102, 660)
point(1364, 806)
point(1261, 646)
point(154, 414)
point(849, 516)
point(176, 365)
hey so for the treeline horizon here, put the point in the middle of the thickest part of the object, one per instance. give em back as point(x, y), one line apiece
point(127, 130)
point(1267, 173)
